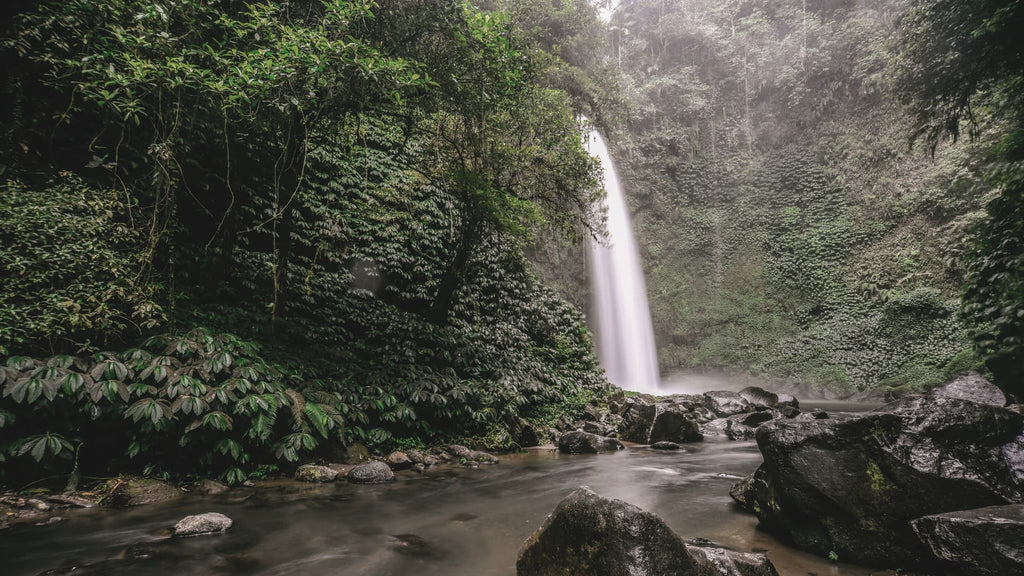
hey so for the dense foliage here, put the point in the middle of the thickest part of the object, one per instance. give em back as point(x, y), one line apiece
point(962, 68)
point(789, 230)
point(350, 183)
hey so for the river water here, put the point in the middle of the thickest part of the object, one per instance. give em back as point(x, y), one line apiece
point(453, 522)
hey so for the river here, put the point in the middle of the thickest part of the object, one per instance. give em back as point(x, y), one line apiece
point(453, 522)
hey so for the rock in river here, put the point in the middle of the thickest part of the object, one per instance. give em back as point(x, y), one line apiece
point(375, 472)
point(580, 442)
point(197, 524)
point(594, 536)
point(984, 541)
point(853, 486)
point(314, 473)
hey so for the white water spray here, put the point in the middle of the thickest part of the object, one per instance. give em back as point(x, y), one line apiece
point(622, 319)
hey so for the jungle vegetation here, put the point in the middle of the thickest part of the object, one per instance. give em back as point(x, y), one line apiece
point(241, 234)
point(819, 184)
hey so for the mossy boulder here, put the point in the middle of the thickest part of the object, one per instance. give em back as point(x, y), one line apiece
point(130, 491)
point(315, 473)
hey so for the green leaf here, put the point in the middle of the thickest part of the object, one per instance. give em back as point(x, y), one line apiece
point(20, 362)
point(38, 446)
point(71, 383)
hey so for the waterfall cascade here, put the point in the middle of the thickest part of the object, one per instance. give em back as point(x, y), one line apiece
point(621, 318)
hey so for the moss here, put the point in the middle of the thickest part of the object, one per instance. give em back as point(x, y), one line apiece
point(880, 485)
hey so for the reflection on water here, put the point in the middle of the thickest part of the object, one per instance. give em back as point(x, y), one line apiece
point(464, 522)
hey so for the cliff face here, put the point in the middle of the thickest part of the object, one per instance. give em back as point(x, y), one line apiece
point(787, 226)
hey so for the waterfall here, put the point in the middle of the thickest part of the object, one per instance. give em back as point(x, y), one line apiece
point(621, 317)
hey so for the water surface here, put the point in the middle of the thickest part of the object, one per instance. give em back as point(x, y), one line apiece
point(458, 522)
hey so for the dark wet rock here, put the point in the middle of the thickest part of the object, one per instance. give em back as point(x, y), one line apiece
point(755, 419)
point(592, 413)
point(788, 411)
point(665, 445)
point(208, 487)
point(398, 460)
point(483, 457)
point(463, 517)
point(726, 403)
point(713, 560)
point(522, 432)
point(431, 460)
point(588, 534)
point(852, 486)
point(413, 545)
point(971, 386)
point(674, 424)
point(197, 524)
point(415, 456)
point(759, 397)
point(314, 473)
point(815, 415)
point(637, 421)
point(579, 442)
point(133, 491)
point(984, 541)
point(728, 427)
point(459, 451)
point(787, 400)
point(744, 493)
point(599, 428)
point(371, 473)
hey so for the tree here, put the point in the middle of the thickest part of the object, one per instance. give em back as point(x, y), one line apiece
point(962, 67)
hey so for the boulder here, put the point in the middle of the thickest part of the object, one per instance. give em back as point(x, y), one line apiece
point(713, 560)
point(755, 419)
point(482, 457)
point(209, 487)
point(728, 427)
point(725, 403)
point(398, 460)
point(787, 400)
point(134, 491)
point(852, 486)
point(197, 524)
point(759, 397)
point(522, 432)
point(416, 457)
point(459, 451)
point(984, 541)
point(588, 534)
point(971, 386)
point(674, 424)
point(637, 421)
point(664, 445)
point(599, 428)
point(371, 473)
point(580, 442)
point(314, 473)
